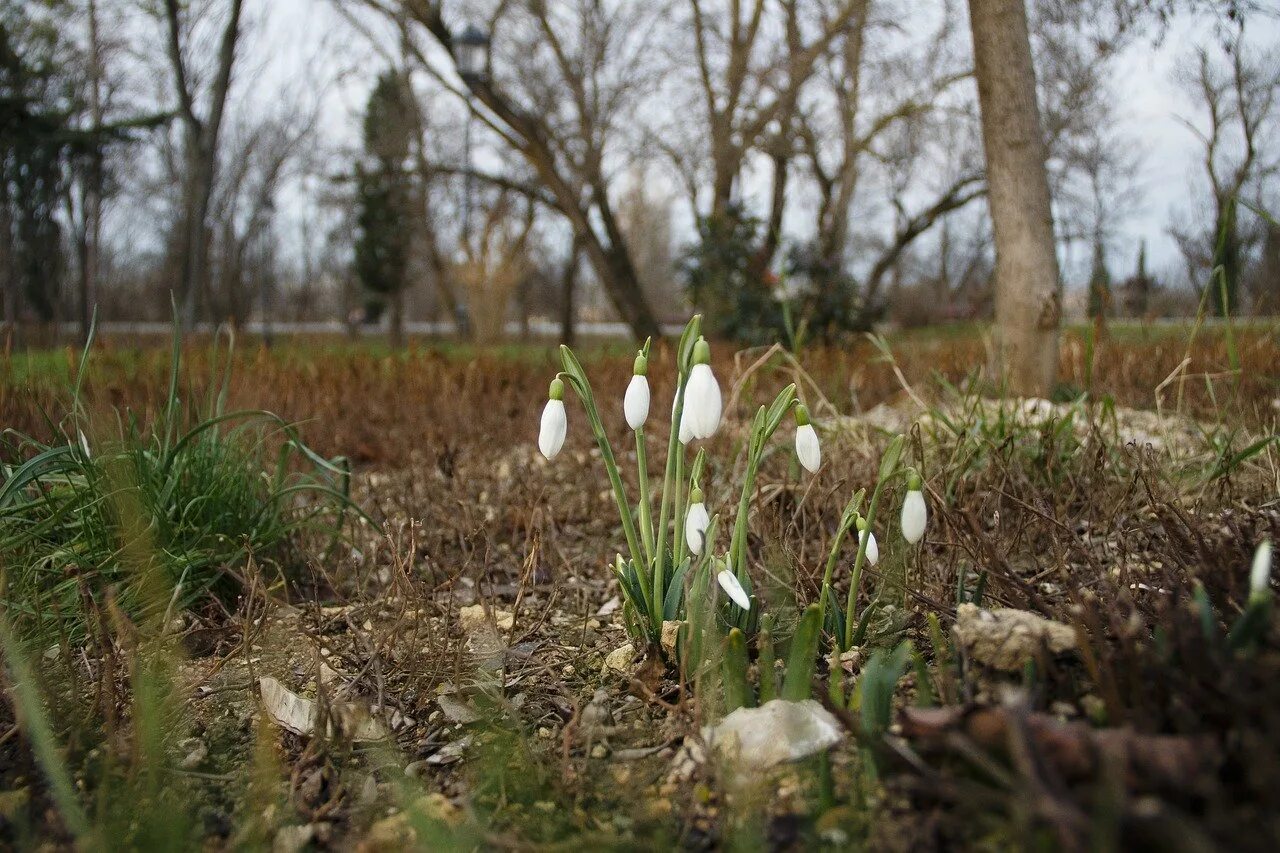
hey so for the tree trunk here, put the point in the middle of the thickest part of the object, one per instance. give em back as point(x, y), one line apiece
point(91, 251)
point(1028, 293)
point(568, 284)
point(395, 329)
point(200, 161)
point(8, 278)
point(1224, 287)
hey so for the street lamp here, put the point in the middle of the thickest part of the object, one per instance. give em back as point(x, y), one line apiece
point(471, 53)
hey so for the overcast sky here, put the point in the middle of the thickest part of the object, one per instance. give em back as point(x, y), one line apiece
point(1148, 99)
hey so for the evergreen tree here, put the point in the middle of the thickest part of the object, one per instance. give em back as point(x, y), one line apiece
point(383, 222)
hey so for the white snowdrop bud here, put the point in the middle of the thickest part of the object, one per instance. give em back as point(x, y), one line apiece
point(729, 583)
point(807, 449)
point(873, 549)
point(702, 395)
point(915, 515)
point(555, 423)
point(696, 522)
point(1260, 573)
point(635, 404)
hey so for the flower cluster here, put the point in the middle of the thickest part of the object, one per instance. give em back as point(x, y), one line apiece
point(677, 547)
point(674, 556)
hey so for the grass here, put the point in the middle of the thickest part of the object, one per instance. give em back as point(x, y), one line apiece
point(154, 514)
point(1134, 530)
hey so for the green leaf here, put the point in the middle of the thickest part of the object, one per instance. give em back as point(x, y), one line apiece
point(737, 692)
point(675, 592)
point(798, 682)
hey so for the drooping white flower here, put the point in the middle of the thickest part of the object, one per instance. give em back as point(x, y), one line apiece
point(729, 583)
point(807, 449)
point(1260, 572)
point(696, 522)
point(686, 432)
point(915, 514)
point(873, 549)
point(635, 404)
point(702, 395)
point(555, 423)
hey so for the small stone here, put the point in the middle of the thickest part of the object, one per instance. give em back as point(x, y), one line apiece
point(670, 635)
point(599, 751)
point(474, 617)
point(778, 731)
point(620, 660)
point(291, 839)
point(1006, 638)
point(195, 753)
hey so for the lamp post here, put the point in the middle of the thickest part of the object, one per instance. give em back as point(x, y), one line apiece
point(471, 55)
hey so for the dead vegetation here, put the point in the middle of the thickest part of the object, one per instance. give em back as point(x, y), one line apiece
point(477, 625)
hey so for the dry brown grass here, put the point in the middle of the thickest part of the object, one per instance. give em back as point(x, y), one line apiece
point(1079, 527)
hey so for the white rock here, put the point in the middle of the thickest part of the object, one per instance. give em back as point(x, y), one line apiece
point(619, 660)
point(1006, 638)
point(777, 732)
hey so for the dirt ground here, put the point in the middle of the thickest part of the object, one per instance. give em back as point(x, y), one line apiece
point(465, 658)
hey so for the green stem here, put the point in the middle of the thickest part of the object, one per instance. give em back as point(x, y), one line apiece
point(660, 577)
point(645, 511)
point(678, 544)
point(583, 389)
point(674, 448)
point(888, 468)
point(847, 522)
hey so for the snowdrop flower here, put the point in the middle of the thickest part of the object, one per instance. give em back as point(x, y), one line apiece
point(729, 583)
point(635, 405)
point(807, 449)
point(873, 550)
point(696, 522)
point(1260, 573)
point(686, 432)
point(702, 395)
point(555, 424)
point(915, 515)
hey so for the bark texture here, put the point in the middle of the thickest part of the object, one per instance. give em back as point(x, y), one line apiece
point(1028, 290)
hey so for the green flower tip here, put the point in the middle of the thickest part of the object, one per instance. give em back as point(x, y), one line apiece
point(701, 351)
point(641, 367)
point(802, 415)
point(860, 523)
point(913, 480)
point(556, 391)
point(695, 495)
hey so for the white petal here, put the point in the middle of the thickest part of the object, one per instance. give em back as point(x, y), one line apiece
point(1260, 573)
point(915, 515)
point(702, 402)
point(554, 426)
point(729, 583)
point(873, 549)
point(695, 527)
point(635, 405)
point(807, 449)
point(686, 432)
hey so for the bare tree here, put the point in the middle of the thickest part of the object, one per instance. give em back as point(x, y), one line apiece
point(202, 125)
point(261, 155)
point(1028, 290)
point(1236, 91)
point(559, 90)
point(894, 131)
